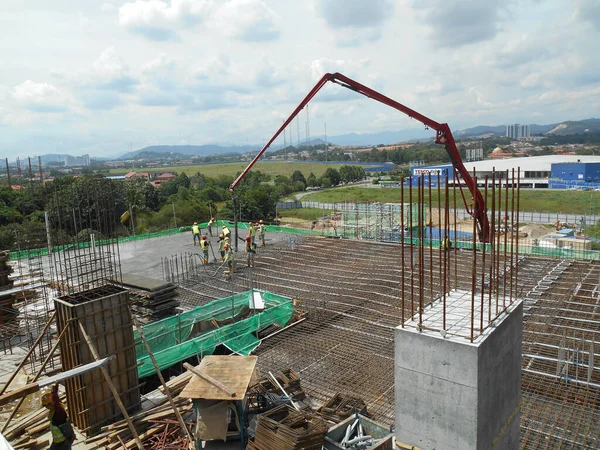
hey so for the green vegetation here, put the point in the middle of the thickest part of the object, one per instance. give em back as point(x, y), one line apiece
point(134, 206)
point(546, 200)
point(274, 168)
point(302, 213)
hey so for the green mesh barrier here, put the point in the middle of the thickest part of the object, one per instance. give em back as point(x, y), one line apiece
point(199, 331)
point(592, 255)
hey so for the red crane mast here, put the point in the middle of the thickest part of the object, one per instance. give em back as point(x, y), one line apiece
point(443, 136)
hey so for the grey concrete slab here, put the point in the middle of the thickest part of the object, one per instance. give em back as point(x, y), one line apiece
point(143, 257)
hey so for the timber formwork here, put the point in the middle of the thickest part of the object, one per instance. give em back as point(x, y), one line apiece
point(104, 314)
point(352, 293)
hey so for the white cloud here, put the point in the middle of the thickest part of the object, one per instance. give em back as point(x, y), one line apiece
point(357, 22)
point(159, 20)
point(108, 8)
point(246, 20)
point(161, 64)
point(40, 97)
point(453, 23)
point(588, 11)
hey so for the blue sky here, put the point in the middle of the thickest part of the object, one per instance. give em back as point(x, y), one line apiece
point(82, 76)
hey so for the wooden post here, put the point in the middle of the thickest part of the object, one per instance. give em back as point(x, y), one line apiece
point(165, 387)
point(22, 363)
point(37, 375)
point(112, 387)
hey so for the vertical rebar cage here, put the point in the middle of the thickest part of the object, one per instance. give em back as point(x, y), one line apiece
point(104, 314)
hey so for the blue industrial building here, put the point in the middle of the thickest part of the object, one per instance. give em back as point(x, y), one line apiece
point(575, 174)
point(442, 170)
point(549, 171)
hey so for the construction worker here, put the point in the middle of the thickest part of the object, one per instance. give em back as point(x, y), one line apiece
point(229, 258)
point(222, 246)
point(60, 425)
point(226, 231)
point(196, 232)
point(447, 243)
point(204, 247)
point(262, 229)
point(210, 224)
point(250, 251)
point(251, 231)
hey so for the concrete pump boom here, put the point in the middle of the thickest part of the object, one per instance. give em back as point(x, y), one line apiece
point(443, 136)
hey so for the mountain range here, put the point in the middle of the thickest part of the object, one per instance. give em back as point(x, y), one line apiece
point(385, 137)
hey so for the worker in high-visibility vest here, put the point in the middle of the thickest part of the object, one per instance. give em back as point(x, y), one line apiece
point(226, 231)
point(250, 251)
point(204, 247)
point(196, 232)
point(229, 258)
point(60, 425)
point(210, 224)
point(222, 246)
point(251, 231)
point(262, 229)
point(446, 243)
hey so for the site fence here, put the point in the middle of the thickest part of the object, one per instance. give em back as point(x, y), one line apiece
point(353, 225)
point(541, 217)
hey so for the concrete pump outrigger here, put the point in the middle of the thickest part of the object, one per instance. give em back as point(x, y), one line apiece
point(443, 136)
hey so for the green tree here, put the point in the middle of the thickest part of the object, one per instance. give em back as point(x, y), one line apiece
point(333, 176)
point(298, 176)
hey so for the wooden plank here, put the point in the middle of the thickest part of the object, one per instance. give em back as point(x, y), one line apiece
point(211, 380)
point(234, 372)
point(112, 388)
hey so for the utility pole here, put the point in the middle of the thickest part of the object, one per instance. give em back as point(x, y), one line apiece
point(174, 216)
point(326, 146)
point(8, 173)
point(307, 126)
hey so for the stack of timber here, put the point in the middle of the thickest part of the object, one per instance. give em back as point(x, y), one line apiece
point(288, 379)
point(340, 407)
point(148, 423)
point(5, 271)
point(156, 417)
point(151, 299)
point(284, 428)
point(30, 430)
point(7, 296)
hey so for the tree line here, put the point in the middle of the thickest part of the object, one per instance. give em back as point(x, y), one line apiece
point(78, 206)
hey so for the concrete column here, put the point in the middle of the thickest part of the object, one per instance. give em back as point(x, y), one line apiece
point(454, 394)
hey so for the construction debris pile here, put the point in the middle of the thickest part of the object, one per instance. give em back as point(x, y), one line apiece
point(284, 428)
point(151, 299)
point(7, 299)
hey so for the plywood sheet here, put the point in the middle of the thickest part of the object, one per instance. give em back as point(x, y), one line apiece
point(235, 372)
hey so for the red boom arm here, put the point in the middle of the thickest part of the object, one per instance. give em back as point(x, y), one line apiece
point(443, 136)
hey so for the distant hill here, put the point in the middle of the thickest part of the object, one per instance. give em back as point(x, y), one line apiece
point(384, 137)
point(480, 130)
point(575, 127)
point(484, 131)
point(188, 150)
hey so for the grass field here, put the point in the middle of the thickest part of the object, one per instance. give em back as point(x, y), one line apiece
point(272, 168)
point(542, 200)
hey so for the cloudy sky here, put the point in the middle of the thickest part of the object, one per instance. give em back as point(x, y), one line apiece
point(83, 76)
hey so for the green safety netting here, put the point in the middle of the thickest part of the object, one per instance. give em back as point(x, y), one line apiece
point(527, 250)
point(269, 228)
point(199, 331)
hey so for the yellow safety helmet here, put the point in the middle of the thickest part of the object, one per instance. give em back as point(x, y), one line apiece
point(47, 399)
